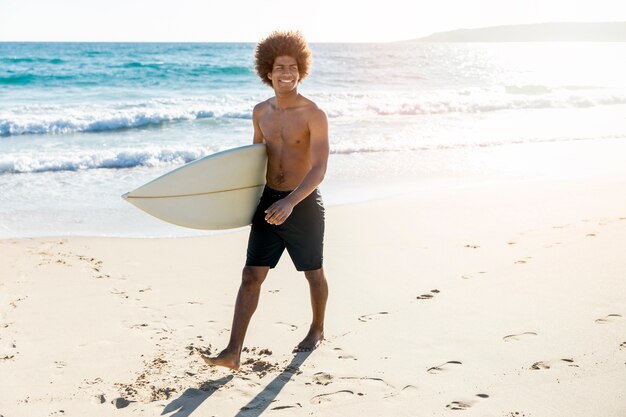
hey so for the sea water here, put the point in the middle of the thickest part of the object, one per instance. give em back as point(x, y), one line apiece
point(83, 123)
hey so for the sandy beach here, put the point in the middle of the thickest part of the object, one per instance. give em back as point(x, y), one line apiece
point(491, 300)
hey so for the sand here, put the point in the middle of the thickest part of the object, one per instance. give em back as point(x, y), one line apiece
point(490, 300)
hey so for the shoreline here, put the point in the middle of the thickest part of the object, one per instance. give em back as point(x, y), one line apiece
point(358, 193)
point(88, 203)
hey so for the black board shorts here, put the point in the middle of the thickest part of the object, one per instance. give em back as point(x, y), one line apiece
point(302, 234)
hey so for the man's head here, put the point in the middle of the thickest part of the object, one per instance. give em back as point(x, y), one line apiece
point(282, 44)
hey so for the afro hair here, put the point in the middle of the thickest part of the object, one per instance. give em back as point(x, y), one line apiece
point(278, 44)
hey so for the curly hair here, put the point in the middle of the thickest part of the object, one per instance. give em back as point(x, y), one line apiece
point(278, 44)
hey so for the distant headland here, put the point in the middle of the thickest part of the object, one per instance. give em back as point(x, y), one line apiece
point(540, 32)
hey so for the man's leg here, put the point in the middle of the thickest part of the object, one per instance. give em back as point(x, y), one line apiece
point(247, 301)
point(319, 294)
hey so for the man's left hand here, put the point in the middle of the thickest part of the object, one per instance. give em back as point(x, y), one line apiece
point(278, 212)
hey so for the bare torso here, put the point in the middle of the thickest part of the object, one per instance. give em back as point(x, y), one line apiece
point(287, 136)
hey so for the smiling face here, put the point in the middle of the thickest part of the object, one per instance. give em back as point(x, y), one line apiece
point(280, 46)
point(284, 75)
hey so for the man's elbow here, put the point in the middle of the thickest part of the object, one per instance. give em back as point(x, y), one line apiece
point(319, 170)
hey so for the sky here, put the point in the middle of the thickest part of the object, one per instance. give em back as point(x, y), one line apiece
point(250, 21)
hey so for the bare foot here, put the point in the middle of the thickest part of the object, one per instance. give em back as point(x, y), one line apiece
point(225, 359)
point(312, 340)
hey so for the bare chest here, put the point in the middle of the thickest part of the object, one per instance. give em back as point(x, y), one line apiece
point(286, 127)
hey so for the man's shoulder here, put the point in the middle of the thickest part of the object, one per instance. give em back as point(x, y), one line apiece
point(262, 106)
point(312, 108)
point(307, 103)
point(316, 115)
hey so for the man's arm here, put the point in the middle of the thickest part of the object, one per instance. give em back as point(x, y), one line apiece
point(258, 135)
point(318, 129)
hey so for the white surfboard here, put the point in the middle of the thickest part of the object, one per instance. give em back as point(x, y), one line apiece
point(219, 191)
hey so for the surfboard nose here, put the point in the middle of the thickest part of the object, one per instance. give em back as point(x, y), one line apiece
point(125, 196)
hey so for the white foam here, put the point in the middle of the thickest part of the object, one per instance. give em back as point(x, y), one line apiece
point(475, 102)
point(99, 159)
point(79, 117)
point(55, 119)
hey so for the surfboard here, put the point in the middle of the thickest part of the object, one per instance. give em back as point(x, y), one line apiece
point(219, 191)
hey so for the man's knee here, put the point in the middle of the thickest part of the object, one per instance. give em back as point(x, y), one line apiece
point(253, 275)
point(315, 275)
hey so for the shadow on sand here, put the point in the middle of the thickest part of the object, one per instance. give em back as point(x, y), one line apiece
point(191, 399)
point(263, 399)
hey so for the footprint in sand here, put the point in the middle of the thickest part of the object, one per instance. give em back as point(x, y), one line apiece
point(472, 246)
point(523, 261)
point(608, 319)
point(94, 264)
point(458, 405)
point(444, 367)
point(283, 407)
point(115, 291)
point(331, 396)
point(428, 296)
point(540, 365)
point(8, 347)
point(16, 301)
point(520, 336)
point(373, 380)
point(551, 245)
point(292, 327)
point(259, 367)
point(469, 276)
point(409, 388)
point(464, 405)
point(62, 258)
point(549, 364)
point(322, 378)
point(368, 317)
point(346, 357)
point(623, 345)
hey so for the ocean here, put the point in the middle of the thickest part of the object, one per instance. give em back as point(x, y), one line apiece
point(83, 123)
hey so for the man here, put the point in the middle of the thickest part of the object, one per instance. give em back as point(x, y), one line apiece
point(290, 214)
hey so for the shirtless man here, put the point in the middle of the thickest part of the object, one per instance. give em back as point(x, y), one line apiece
point(290, 214)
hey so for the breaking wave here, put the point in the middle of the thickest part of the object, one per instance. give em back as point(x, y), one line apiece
point(110, 159)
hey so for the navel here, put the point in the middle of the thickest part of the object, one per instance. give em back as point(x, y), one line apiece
point(279, 178)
